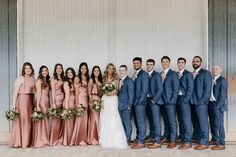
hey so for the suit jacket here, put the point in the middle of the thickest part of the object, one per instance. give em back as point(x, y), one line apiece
point(126, 94)
point(220, 89)
point(170, 87)
point(186, 85)
point(202, 87)
point(155, 88)
point(141, 88)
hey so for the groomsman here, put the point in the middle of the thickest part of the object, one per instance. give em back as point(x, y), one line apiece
point(154, 100)
point(217, 107)
point(125, 100)
point(183, 104)
point(170, 82)
point(141, 84)
point(200, 100)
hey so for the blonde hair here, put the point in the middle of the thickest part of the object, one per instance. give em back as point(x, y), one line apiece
point(114, 75)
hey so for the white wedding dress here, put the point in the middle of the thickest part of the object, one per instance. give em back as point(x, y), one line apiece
point(112, 134)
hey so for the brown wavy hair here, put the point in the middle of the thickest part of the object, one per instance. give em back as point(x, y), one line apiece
point(55, 72)
point(45, 81)
point(23, 68)
point(114, 75)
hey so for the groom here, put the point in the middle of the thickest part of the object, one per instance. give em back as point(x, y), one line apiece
point(125, 100)
point(141, 84)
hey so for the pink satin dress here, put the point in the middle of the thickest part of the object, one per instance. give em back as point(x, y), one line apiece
point(68, 125)
point(93, 120)
point(80, 132)
point(40, 134)
point(56, 134)
point(21, 127)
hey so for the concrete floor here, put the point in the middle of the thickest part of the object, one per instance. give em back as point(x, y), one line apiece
point(97, 151)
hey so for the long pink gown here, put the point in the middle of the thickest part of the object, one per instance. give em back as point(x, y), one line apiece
point(56, 129)
point(93, 121)
point(40, 135)
point(21, 127)
point(68, 125)
point(80, 132)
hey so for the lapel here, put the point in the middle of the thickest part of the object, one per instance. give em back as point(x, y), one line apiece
point(140, 73)
point(124, 81)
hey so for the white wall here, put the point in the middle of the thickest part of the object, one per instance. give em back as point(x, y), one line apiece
point(102, 31)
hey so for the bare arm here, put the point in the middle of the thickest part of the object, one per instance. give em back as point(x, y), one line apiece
point(19, 81)
point(76, 85)
point(38, 94)
point(90, 86)
point(67, 94)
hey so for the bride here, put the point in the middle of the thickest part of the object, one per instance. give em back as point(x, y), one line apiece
point(111, 134)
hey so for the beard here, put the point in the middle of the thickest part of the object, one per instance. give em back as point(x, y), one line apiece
point(195, 66)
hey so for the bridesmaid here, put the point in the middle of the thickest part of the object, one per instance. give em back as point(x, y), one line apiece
point(23, 97)
point(40, 127)
point(69, 103)
point(57, 102)
point(80, 132)
point(94, 94)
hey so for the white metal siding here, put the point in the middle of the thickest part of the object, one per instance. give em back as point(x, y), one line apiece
point(102, 31)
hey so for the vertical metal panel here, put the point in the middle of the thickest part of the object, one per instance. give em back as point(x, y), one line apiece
point(222, 47)
point(66, 31)
point(153, 28)
point(7, 56)
point(232, 65)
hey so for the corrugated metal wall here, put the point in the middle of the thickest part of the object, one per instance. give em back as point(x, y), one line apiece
point(7, 57)
point(222, 47)
point(105, 31)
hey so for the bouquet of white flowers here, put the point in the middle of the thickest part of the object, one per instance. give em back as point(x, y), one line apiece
point(12, 115)
point(53, 112)
point(37, 115)
point(108, 87)
point(66, 114)
point(79, 110)
point(97, 105)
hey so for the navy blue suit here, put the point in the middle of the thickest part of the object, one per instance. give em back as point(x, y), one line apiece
point(200, 100)
point(153, 109)
point(170, 94)
point(186, 86)
point(125, 102)
point(216, 110)
point(140, 101)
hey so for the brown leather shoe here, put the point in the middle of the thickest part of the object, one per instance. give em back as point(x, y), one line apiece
point(134, 141)
point(185, 146)
point(149, 141)
point(154, 145)
point(171, 145)
point(164, 141)
point(137, 146)
point(218, 147)
point(212, 143)
point(201, 147)
point(179, 141)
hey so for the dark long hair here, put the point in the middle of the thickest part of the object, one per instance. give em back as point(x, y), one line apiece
point(68, 79)
point(23, 68)
point(55, 72)
point(86, 74)
point(99, 76)
point(45, 81)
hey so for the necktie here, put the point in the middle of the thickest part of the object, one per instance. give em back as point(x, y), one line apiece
point(120, 84)
point(163, 76)
point(212, 98)
point(194, 74)
point(134, 76)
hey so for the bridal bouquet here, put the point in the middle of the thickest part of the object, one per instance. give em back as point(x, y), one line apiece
point(37, 115)
point(79, 110)
point(108, 87)
point(66, 114)
point(53, 112)
point(12, 115)
point(97, 105)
